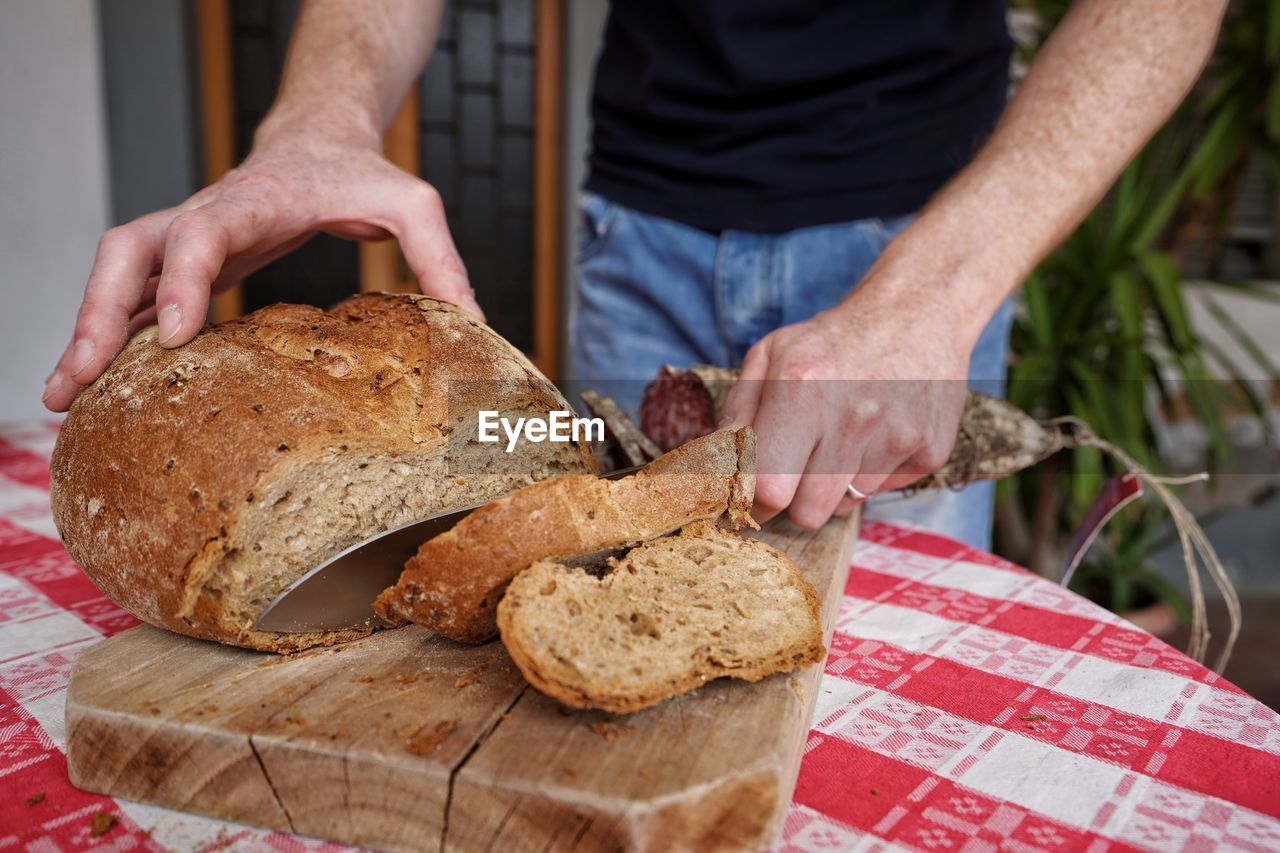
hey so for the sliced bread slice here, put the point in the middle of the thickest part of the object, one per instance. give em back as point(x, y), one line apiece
point(671, 615)
point(452, 585)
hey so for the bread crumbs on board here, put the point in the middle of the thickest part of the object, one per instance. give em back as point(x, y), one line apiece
point(425, 744)
point(468, 678)
point(407, 732)
point(611, 731)
point(100, 824)
point(36, 798)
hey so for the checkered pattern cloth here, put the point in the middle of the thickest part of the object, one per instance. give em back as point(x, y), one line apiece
point(967, 705)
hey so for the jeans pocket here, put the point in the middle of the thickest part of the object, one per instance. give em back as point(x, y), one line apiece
point(595, 222)
point(892, 227)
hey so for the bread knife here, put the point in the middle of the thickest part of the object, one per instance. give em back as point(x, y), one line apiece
point(338, 594)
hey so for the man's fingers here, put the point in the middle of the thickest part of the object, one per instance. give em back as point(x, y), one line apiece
point(195, 250)
point(817, 498)
point(785, 441)
point(929, 457)
point(148, 294)
point(869, 484)
point(252, 217)
point(197, 247)
point(144, 318)
point(773, 494)
point(125, 260)
point(835, 462)
point(743, 400)
point(888, 448)
point(126, 257)
point(233, 270)
point(774, 485)
point(847, 505)
point(59, 391)
point(189, 250)
point(429, 250)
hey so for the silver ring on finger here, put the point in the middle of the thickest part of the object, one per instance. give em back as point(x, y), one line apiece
point(856, 494)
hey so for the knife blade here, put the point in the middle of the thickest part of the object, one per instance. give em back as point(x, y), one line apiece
point(338, 594)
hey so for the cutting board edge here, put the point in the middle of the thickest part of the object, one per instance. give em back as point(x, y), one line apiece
point(269, 808)
point(830, 610)
point(83, 725)
point(641, 824)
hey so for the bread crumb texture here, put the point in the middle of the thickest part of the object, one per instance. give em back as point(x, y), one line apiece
point(670, 615)
point(194, 484)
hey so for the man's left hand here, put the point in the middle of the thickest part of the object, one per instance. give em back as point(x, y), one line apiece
point(868, 393)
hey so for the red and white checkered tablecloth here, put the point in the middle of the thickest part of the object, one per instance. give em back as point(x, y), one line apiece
point(967, 705)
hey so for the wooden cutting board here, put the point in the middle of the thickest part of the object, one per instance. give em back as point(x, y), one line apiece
point(405, 740)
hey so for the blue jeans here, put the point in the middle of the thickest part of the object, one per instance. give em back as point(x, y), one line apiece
point(651, 291)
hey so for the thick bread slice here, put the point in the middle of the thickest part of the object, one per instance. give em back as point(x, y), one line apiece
point(671, 615)
point(452, 585)
point(193, 484)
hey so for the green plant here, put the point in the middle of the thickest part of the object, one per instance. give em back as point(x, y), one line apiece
point(1103, 328)
point(1239, 107)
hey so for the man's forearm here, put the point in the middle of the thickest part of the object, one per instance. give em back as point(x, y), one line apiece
point(350, 63)
point(1109, 76)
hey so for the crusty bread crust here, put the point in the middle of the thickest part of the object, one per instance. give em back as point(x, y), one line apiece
point(559, 677)
point(166, 466)
point(453, 584)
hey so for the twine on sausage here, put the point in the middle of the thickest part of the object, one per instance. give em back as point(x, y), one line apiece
point(1191, 536)
point(996, 440)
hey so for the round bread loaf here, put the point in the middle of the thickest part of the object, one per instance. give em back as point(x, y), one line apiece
point(194, 484)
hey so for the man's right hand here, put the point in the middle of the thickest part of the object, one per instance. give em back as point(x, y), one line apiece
point(163, 267)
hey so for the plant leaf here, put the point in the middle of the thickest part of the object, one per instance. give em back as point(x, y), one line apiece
point(1165, 286)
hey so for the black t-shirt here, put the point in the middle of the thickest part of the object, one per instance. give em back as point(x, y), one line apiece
point(769, 115)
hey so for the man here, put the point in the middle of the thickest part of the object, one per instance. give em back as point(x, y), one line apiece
point(751, 161)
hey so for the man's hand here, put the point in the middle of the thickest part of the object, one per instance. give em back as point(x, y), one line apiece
point(316, 165)
point(1110, 74)
point(866, 393)
point(163, 267)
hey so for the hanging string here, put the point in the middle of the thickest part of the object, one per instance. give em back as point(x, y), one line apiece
point(1191, 537)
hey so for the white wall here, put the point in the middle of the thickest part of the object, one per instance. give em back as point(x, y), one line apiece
point(53, 186)
point(1256, 317)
